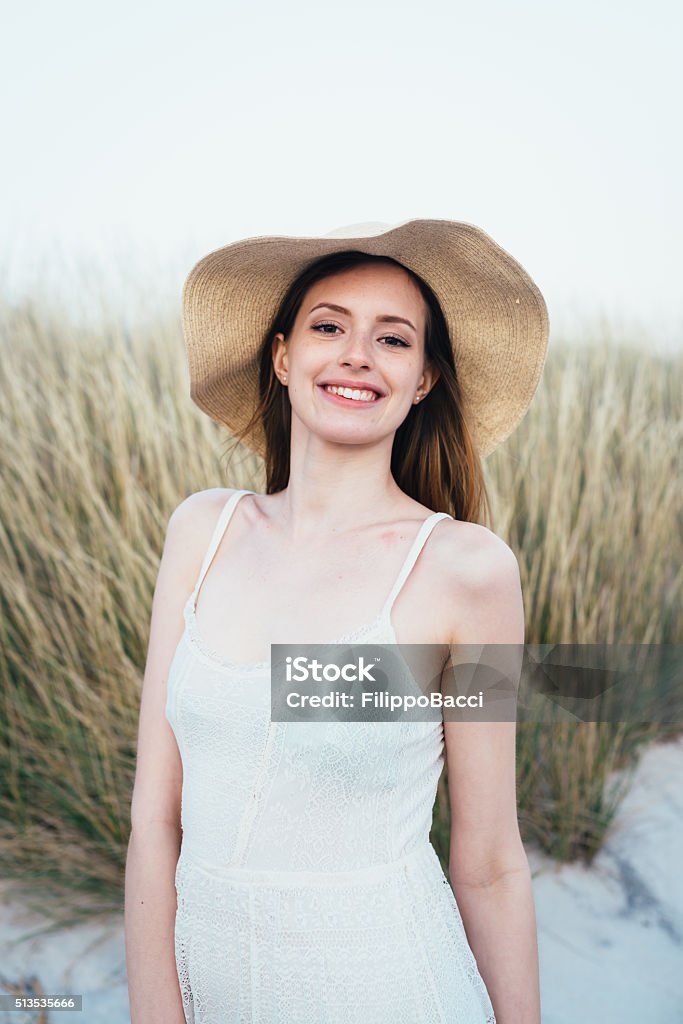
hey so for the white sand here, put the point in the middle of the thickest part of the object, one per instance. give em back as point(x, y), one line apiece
point(85, 959)
point(610, 936)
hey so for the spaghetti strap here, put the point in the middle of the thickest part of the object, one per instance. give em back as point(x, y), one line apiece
point(220, 528)
point(412, 556)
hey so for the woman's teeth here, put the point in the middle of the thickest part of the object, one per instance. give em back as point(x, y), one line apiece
point(355, 395)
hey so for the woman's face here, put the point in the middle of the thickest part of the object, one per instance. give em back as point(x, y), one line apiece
point(362, 329)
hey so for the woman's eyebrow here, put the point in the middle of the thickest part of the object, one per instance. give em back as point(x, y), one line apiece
point(387, 319)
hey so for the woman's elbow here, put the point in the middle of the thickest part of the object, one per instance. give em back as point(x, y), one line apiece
point(483, 868)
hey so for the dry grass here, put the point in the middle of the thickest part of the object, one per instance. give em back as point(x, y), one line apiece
point(100, 442)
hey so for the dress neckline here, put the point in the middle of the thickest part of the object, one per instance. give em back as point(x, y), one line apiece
point(219, 660)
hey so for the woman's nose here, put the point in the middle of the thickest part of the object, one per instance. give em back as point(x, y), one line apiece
point(357, 348)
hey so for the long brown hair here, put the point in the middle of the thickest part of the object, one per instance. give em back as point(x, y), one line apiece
point(433, 459)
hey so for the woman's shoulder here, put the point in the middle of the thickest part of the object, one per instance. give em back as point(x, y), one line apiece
point(191, 526)
point(200, 509)
point(475, 579)
point(470, 551)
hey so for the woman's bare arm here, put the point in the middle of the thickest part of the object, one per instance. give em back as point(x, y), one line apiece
point(488, 866)
point(150, 902)
point(154, 844)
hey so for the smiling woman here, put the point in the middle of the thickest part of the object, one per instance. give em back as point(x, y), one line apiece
point(372, 374)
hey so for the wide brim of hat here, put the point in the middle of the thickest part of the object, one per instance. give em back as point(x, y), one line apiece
point(496, 316)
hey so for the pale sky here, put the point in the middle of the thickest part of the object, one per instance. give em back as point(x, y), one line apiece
point(169, 129)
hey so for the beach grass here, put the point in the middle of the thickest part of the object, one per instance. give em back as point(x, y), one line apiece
point(100, 442)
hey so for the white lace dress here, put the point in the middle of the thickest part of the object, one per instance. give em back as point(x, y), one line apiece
point(308, 891)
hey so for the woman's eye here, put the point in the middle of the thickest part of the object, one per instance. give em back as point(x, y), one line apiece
point(319, 327)
point(392, 337)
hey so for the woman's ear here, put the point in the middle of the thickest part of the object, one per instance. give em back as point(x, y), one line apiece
point(429, 377)
point(279, 352)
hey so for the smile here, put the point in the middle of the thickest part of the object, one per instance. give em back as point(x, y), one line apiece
point(351, 394)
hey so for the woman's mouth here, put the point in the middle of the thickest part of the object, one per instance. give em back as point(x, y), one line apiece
point(350, 396)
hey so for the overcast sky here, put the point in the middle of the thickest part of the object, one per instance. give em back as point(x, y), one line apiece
point(169, 129)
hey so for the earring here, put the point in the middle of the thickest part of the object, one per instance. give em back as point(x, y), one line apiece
point(418, 397)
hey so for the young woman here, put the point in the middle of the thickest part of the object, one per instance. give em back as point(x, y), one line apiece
point(372, 373)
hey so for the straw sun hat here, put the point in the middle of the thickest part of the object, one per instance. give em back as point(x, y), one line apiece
point(496, 316)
